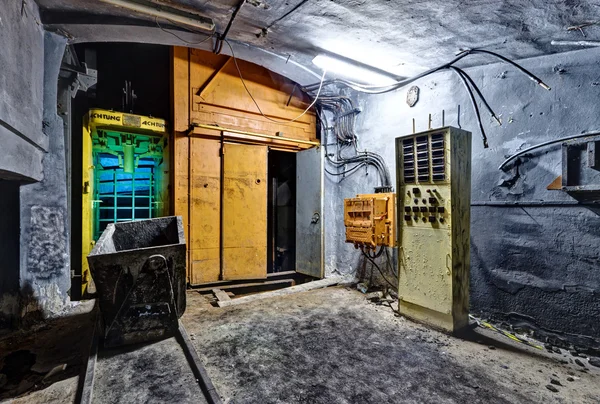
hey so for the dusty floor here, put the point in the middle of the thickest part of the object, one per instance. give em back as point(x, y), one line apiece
point(333, 346)
point(324, 346)
point(150, 373)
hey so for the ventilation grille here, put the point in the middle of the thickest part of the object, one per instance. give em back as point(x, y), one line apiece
point(408, 152)
point(438, 160)
point(424, 159)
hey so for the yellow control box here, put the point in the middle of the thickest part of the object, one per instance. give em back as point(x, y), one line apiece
point(434, 195)
point(370, 220)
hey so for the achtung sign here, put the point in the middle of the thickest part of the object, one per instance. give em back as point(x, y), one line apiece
point(101, 117)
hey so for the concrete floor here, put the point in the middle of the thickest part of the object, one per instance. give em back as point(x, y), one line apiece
point(149, 373)
point(333, 346)
point(324, 346)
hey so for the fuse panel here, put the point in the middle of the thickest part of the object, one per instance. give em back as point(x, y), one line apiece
point(434, 188)
point(370, 220)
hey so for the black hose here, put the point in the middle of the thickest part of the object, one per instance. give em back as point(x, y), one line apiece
point(474, 86)
point(475, 107)
point(532, 76)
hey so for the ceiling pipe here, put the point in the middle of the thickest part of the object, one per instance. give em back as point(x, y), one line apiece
point(199, 22)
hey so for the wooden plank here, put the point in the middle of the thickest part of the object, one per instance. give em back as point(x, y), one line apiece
point(180, 88)
point(181, 187)
point(205, 197)
point(244, 211)
point(202, 90)
point(220, 295)
point(323, 283)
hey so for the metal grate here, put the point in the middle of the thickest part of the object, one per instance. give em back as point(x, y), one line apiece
point(122, 197)
point(423, 161)
point(438, 160)
point(408, 153)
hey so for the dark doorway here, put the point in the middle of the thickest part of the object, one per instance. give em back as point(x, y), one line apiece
point(282, 212)
point(10, 213)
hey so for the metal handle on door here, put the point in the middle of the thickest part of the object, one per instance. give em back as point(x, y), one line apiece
point(315, 218)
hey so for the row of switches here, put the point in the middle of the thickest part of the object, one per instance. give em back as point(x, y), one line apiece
point(432, 219)
point(432, 209)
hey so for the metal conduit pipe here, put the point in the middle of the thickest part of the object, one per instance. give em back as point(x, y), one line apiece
point(548, 143)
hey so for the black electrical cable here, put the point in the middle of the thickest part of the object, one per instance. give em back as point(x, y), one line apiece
point(389, 262)
point(532, 76)
point(379, 269)
point(256, 103)
point(377, 254)
point(478, 91)
point(475, 107)
point(180, 38)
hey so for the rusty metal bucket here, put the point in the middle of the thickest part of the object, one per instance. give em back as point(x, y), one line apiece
point(139, 272)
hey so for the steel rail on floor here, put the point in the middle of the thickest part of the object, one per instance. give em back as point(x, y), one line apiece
point(85, 390)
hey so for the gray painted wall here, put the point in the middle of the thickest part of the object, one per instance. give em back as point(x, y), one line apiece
point(37, 278)
point(21, 91)
point(537, 266)
point(45, 273)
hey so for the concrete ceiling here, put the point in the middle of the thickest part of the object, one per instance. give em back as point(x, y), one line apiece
point(403, 37)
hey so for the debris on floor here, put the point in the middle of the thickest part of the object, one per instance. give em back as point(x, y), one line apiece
point(335, 346)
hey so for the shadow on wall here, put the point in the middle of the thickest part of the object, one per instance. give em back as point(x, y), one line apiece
point(40, 354)
point(534, 262)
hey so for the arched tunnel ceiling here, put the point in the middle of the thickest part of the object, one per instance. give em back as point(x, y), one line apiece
point(403, 37)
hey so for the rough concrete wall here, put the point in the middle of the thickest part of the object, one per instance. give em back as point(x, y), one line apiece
point(533, 265)
point(21, 91)
point(45, 274)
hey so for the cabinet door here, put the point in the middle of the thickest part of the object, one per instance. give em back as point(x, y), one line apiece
point(309, 212)
point(244, 210)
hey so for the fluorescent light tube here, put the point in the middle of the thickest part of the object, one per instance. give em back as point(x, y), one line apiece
point(355, 71)
point(203, 23)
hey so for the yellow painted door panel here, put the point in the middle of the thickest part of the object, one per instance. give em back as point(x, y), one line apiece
point(244, 211)
point(205, 188)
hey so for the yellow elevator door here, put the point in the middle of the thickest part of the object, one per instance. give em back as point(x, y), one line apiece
point(244, 212)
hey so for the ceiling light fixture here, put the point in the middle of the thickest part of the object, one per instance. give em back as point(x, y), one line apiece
point(192, 20)
point(355, 70)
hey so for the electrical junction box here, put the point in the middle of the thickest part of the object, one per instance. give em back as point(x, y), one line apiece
point(369, 220)
point(434, 196)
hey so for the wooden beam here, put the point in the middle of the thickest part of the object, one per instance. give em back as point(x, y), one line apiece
point(202, 90)
point(323, 283)
point(220, 295)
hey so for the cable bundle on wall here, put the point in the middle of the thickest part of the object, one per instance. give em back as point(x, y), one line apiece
point(344, 112)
